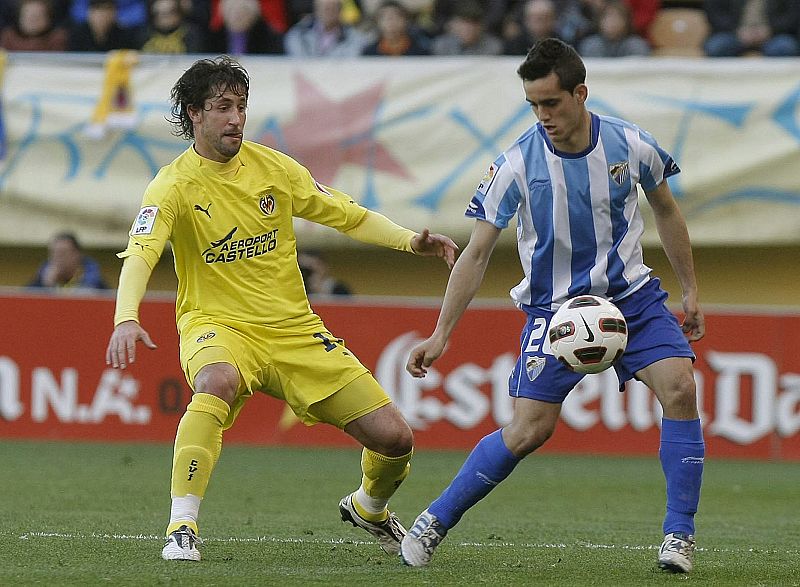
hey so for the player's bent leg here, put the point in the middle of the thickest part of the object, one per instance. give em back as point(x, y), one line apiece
point(490, 462)
point(363, 410)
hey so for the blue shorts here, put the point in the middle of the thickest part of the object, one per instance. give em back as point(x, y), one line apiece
point(653, 334)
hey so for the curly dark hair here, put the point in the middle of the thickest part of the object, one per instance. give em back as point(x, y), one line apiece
point(553, 55)
point(205, 79)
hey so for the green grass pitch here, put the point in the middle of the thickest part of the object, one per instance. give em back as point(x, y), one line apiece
point(94, 514)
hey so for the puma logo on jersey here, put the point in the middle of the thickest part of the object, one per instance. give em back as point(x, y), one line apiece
point(205, 211)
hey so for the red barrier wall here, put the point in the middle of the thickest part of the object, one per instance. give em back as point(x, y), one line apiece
point(54, 383)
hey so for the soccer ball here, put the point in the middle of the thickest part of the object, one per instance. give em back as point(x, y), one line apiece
point(588, 334)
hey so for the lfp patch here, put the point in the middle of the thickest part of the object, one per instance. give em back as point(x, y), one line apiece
point(486, 181)
point(144, 221)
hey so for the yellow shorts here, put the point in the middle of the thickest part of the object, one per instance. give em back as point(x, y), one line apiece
point(302, 365)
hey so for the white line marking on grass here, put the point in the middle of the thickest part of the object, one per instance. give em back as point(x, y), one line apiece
point(334, 541)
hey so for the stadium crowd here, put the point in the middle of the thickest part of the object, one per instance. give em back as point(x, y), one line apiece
point(349, 28)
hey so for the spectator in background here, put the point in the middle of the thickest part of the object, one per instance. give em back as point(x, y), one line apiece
point(244, 31)
point(768, 27)
point(538, 22)
point(420, 12)
point(102, 32)
point(643, 13)
point(615, 36)
point(171, 31)
point(274, 12)
point(68, 267)
point(396, 36)
point(34, 29)
point(577, 19)
point(493, 14)
point(297, 10)
point(130, 14)
point(466, 34)
point(317, 277)
point(324, 34)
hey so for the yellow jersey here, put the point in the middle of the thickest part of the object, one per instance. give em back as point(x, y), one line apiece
point(232, 235)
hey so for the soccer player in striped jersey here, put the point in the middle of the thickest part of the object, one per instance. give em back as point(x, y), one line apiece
point(226, 205)
point(571, 181)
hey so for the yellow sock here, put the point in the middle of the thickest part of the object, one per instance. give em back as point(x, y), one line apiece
point(198, 444)
point(382, 476)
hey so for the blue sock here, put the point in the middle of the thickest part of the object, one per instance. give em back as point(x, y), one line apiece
point(682, 453)
point(487, 465)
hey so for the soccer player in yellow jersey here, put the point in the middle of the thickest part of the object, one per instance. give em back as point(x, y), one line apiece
point(245, 323)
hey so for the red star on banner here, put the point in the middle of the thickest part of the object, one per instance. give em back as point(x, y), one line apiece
point(325, 135)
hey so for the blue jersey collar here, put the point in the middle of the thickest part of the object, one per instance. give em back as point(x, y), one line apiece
point(586, 151)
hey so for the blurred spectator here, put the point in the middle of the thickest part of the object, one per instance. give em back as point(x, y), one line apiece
point(297, 10)
point(324, 34)
point(615, 36)
point(395, 33)
point(131, 14)
point(493, 13)
point(101, 32)
point(316, 275)
point(34, 29)
point(244, 31)
point(274, 12)
point(68, 266)
point(740, 26)
point(578, 19)
point(466, 34)
point(171, 31)
point(538, 22)
point(643, 13)
point(420, 12)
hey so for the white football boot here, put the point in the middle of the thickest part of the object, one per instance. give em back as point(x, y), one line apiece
point(182, 545)
point(676, 552)
point(417, 547)
point(389, 532)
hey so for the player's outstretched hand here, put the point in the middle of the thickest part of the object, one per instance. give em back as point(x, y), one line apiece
point(423, 355)
point(435, 245)
point(121, 350)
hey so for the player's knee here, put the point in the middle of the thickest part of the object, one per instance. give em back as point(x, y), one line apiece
point(219, 379)
point(522, 441)
point(680, 402)
point(400, 442)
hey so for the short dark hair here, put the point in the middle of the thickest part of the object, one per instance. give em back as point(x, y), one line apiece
point(553, 55)
point(205, 79)
point(68, 236)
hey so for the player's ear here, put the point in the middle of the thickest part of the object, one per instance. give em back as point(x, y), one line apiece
point(194, 113)
point(581, 93)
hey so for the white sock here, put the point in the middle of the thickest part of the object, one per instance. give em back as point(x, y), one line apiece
point(185, 509)
point(371, 505)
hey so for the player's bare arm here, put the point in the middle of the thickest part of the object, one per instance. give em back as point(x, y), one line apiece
point(121, 350)
point(428, 244)
point(464, 282)
point(674, 237)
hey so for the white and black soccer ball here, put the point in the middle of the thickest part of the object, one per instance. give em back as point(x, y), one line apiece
point(588, 334)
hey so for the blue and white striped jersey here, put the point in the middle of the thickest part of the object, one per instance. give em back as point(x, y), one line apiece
point(579, 227)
